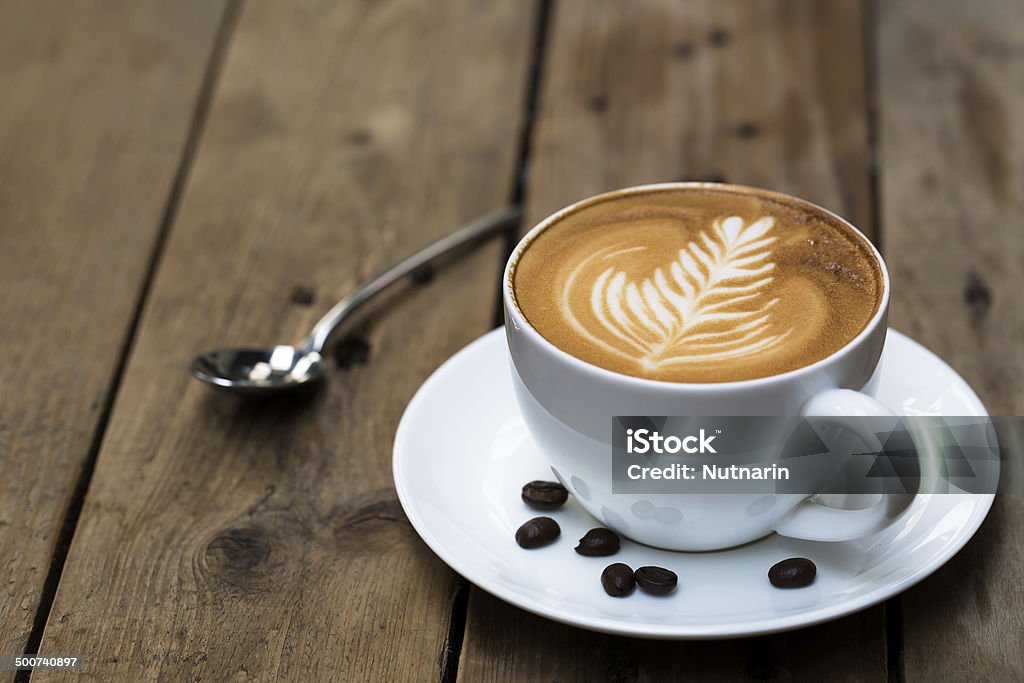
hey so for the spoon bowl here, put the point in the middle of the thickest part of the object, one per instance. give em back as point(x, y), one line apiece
point(258, 370)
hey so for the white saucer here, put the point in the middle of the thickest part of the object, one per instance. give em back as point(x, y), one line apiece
point(462, 454)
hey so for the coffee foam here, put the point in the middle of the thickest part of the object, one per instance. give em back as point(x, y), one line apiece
point(698, 284)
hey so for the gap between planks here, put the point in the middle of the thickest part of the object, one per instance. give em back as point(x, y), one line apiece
point(460, 602)
point(522, 171)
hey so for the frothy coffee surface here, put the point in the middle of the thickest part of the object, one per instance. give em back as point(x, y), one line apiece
point(698, 285)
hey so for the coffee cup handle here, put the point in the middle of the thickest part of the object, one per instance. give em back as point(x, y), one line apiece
point(813, 521)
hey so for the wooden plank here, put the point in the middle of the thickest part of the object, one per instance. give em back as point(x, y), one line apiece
point(951, 106)
point(503, 643)
point(97, 103)
point(769, 94)
point(223, 539)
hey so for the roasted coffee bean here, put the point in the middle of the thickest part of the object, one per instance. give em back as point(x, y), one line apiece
point(545, 495)
point(598, 543)
point(656, 580)
point(796, 572)
point(617, 580)
point(537, 532)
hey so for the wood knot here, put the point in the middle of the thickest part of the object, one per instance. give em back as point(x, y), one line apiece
point(239, 549)
point(360, 137)
point(598, 104)
point(350, 351)
point(423, 274)
point(977, 295)
point(719, 37)
point(303, 295)
point(245, 557)
point(746, 130)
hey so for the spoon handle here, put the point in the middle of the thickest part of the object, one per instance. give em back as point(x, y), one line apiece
point(484, 226)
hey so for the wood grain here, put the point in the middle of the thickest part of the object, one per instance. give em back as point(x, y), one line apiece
point(951, 105)
point(96, 107)
point(229, 540)
point(769, 94)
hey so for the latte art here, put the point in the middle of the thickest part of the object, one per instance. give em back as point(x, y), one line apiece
point(704, 283)
point(709, 303)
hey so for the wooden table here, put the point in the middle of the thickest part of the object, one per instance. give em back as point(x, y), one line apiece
point(180, 175)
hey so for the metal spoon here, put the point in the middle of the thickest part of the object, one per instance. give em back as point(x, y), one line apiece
point(272, 369)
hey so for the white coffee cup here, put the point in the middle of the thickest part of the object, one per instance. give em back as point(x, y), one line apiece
point(568, 405)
